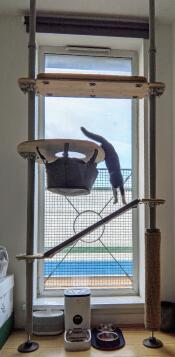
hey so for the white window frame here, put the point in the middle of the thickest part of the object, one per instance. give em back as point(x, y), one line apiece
point(40, 241)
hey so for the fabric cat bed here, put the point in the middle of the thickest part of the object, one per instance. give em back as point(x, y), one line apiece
point(69, 176)
point(108, 339)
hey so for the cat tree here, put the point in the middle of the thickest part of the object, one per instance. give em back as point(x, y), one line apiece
point(103, 86)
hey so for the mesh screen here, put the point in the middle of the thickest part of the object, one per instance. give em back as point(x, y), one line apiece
point(102, 259)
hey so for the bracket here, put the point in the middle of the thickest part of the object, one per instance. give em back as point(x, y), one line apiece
point(156, 91)
point(29, 257)
point(152, 202)
point(27, 86)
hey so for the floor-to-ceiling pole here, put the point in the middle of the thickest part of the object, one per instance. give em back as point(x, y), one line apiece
point(152, 114)
point(152, 235)
point(29, 345)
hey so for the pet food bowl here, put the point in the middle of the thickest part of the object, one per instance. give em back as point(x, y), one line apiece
point(107, 338)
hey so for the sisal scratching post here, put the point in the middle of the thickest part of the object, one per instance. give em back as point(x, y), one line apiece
point(152, 286)
point(152, 279)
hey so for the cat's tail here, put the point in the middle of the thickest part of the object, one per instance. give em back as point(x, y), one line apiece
point(93, 136)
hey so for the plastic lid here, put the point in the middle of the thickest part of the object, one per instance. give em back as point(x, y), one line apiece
point(47, 313)
point(77, 292)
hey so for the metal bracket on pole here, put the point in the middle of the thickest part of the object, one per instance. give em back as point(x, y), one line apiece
point(29, 155)
point(28, 87)
point(157, 92)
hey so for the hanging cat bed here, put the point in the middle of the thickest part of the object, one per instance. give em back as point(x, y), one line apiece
point(69, 176)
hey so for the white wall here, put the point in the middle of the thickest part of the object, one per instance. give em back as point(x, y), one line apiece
point(173, 155)
point(165, 158)
point(13, 114)
point(13, 118)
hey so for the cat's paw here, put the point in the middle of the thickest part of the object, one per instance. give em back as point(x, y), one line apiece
point(124, 201)
point(115, 201)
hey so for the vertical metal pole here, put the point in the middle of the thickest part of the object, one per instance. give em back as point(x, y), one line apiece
point(152, 236)
point(29, 345)
point(152, 113)
point(31, 170)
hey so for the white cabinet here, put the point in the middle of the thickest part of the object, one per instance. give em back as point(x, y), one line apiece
point(6, 307)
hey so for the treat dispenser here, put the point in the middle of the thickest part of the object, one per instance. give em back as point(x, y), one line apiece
point(77, 336)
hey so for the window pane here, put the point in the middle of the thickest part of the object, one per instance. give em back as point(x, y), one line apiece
point(85, 64)
point(104, 259)
point(110, 118)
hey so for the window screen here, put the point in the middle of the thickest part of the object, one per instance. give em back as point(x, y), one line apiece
point(105, 258)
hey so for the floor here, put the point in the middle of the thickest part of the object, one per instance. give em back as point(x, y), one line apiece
point(53, 346)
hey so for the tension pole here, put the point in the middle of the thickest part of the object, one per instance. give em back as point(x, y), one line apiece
point(29, 345)
point(152, 235)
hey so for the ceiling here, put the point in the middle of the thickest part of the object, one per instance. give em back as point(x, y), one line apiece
point(165, 9)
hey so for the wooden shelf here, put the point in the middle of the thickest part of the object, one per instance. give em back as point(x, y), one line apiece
point(90, 86)
point(49, 148)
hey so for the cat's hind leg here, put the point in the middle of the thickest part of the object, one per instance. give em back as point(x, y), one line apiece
point(115, 194)
point(122, 191)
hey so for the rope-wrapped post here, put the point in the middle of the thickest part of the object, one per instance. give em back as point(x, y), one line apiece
point(152, 279)
point(152, 286)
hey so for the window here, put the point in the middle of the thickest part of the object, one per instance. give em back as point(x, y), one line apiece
point(105, 260)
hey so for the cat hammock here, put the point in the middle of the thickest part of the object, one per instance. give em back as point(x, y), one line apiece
point(69, 176)
point(95, 86)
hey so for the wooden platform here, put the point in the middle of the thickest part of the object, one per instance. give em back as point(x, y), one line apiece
point(53, 346)
point(90, 85)
point(50, 147)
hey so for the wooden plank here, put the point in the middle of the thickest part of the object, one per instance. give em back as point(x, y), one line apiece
point(86, 89)
point(91, 76)
point(90, 85)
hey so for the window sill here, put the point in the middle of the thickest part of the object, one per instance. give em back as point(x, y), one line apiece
point(109, 302)
point(127, 310)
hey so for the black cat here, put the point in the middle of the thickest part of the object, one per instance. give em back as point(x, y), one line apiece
point(112, 164)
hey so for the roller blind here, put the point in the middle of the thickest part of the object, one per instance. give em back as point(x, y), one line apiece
point(94, 26)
